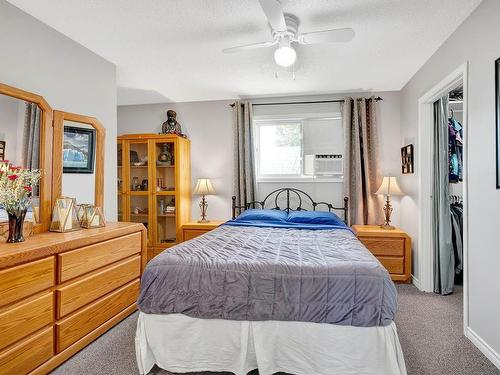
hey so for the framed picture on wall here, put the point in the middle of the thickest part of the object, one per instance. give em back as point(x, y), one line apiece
point(78, 150)
point(497, 118)
point(2, 150)
point(407, 159)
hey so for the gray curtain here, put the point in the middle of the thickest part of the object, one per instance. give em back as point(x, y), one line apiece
point(361, 163)
point(31, 136)
point(244, 167)
point(444, 259)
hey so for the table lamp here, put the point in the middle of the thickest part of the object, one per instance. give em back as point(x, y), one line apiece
point(204, 187)
point(388, 187)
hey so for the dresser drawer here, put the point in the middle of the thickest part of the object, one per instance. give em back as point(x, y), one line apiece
point(28, 354)
point(25, 280)
point(189, 234)
point(394, 265)
point(75, 327)
point(80, 293)
point(77, 262)
point(25, 319)
point(385, 246)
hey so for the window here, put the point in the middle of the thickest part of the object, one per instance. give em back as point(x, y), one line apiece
point(285, 148)
point(278, 148)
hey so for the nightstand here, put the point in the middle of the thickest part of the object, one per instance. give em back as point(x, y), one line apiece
point(195, 229)
point(392, 247)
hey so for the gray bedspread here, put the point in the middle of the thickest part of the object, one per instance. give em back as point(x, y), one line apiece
point(252, 273)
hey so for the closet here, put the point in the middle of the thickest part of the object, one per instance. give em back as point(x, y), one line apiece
point(448, 180)
point(456, 144)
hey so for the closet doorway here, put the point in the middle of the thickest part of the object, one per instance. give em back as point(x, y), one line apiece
point(455, 83)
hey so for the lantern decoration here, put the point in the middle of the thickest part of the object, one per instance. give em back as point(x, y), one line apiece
point(64, 217)
point(90, 216)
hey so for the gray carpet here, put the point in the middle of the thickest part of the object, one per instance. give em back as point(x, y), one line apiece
point(429, 327)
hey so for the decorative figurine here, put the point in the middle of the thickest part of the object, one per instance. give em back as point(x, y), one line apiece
point(172, 126)
point(165, 157)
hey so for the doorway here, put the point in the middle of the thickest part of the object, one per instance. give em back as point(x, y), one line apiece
point(457, 78)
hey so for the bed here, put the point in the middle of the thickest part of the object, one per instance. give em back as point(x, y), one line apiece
point(277, 288)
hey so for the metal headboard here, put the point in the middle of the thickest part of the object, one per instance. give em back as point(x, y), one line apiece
point(272, 201)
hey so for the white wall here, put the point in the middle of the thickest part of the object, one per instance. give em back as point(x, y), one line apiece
point(476, 41)
point(71, 78)
point(210, 127)
point(9, 111)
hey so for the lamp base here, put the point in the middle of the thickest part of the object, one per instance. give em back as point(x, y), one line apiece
point(387, 212)
point(203, 207)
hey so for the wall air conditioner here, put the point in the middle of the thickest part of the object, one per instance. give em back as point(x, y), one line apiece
point(324, 165)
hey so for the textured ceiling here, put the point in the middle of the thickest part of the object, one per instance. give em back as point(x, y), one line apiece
point(170, 50)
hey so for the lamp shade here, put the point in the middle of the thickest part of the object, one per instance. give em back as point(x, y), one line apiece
point(204, 187)
point(389, 186)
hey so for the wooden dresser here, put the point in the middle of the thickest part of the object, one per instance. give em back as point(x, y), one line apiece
point(195, 229)
point(60, 291)
point(392, 247)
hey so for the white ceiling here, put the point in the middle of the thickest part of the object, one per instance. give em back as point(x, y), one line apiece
point(170, 50)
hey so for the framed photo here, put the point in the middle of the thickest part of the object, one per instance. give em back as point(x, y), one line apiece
point(78, 150)
point(497, 118)
point(407, 159)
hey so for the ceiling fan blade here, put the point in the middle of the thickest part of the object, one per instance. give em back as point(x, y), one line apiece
point(249, 47)
point(327, 36)
point(274, 14)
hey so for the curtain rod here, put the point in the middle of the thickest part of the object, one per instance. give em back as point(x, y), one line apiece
point(378, 98)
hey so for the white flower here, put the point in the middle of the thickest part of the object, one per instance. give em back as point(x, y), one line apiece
point(16, 186)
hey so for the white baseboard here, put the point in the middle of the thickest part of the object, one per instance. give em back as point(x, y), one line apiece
point(487, 350)
point(416, 282)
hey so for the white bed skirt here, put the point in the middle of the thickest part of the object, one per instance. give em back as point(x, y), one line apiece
point(178, 343)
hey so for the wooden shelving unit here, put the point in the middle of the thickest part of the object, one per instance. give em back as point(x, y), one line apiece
point(164, 228)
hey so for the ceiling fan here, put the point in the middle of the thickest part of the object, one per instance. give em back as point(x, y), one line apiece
point(284, 33)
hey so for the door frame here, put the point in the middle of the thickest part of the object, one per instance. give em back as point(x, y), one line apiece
point(425, 151)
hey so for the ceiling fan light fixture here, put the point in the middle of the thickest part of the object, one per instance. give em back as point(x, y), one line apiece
point(285, 55)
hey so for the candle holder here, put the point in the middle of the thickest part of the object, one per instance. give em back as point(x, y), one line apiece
point(64, 215)
point(90, 216)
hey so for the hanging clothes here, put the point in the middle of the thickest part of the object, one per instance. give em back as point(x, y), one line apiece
point(455, 150)
point(456, 211)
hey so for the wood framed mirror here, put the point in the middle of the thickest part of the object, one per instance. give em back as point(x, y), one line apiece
point(78, 159)
point(26, 133)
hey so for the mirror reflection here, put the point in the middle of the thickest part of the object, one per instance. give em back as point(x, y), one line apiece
point(20, 123)
point(78, 155)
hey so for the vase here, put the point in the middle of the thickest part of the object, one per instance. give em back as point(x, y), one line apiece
point(16, 224)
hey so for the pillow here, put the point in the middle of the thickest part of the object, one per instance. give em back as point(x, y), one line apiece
point(263, 215)
point(314, 217)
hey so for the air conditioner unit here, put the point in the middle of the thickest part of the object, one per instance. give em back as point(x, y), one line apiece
point(324, 165)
